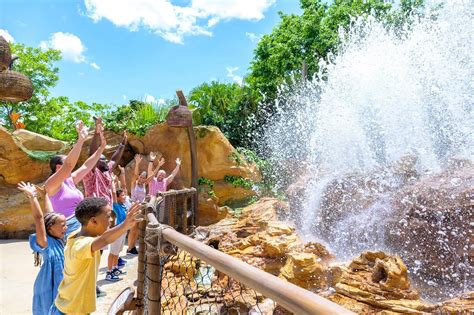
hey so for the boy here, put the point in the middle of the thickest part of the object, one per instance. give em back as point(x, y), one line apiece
point(118, 216)
point(76, 293)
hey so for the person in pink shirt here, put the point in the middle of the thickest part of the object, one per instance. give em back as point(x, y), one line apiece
point(98, 182)
point(160, 183)
point(61, 185)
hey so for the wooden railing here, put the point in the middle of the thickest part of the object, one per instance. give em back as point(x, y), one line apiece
point(159, 241)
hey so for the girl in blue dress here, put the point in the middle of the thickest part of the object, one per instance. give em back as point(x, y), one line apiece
point(48, 246)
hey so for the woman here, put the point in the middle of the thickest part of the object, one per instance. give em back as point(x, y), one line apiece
point(48, 244)
point(61, 185)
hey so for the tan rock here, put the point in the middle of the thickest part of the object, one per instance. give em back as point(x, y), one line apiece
point(209, 211)
point(15, 214)
point(381, 281)
point(229, 193)
point(37, 142)
point(463, 304)
point(304, 270)
point(16, 165)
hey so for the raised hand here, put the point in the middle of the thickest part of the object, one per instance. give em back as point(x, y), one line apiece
point(162, 162)
point(138, 159)
point(28, 189)
point(152, 156)
point(99, 127)
point(178, 161)
point(122, 169)
point(81, 130)
point(124, 137)
point(133, 215)
point(103, 142)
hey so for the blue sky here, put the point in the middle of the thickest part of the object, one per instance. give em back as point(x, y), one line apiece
point(118, 50)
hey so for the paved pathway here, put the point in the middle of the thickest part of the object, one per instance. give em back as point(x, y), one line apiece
point(17, 275)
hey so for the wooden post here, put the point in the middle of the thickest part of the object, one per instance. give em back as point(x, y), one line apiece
point(141, 265)
point(184, 214)
point(153, 269)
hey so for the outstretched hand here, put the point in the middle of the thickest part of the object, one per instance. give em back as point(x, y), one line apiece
point(178, 161)
point(138, 158)
point(162, 162)
point(121, 169)
point(124, 137)
point(81, 130)
point(99, 127)
point(28, 189)
point(133, 215)
point(152, 156)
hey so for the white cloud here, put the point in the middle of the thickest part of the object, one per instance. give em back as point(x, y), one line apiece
point(7, 36)
point(254, 38)
point(124, 97)
point(173, 22)
point(235, 78)
point(70, 45)
point(147, 98)
point(95, 66)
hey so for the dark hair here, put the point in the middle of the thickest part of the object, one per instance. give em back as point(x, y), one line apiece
point(50, 219)
point(119, 191)
point(55, 160)
point(88, 208)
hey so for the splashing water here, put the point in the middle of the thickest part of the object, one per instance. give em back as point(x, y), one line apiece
point(383, 98)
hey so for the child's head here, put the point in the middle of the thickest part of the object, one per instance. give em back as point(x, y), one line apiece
point(121, 196)
point(142, 178)
point(55, 224)
point(94, 215)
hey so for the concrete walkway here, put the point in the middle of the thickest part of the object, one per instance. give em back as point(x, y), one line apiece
point(17, 276)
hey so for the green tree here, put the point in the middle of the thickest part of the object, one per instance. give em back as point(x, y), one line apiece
point(52, 116)
point(225, 105)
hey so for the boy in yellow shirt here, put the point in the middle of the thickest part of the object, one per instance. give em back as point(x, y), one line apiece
point(77, 293)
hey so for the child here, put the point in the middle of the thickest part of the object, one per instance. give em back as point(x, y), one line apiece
point(47, 242)
point(76, 293)
point(119, 214)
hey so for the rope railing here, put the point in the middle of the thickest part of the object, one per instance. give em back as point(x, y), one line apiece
point(185, 276)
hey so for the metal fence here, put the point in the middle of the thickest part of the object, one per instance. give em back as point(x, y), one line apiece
point(180, 275)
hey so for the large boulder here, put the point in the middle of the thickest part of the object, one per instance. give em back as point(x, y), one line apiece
point(376, 282)
point(36, 142)
point(16, 165)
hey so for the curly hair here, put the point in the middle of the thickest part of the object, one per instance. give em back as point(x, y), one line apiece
point(88, 208)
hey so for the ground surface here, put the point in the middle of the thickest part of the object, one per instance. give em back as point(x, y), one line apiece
point(17, 275)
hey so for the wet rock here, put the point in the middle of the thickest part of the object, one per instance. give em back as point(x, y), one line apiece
point(379, 281)
point(463, 304)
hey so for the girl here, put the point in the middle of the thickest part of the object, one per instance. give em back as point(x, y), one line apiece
point(47, 244)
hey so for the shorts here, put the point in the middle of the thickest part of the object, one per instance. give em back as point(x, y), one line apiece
point(54, 310)
point(117, 246)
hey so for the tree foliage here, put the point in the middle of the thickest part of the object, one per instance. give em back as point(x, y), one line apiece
point(225, 105)
point(52, 116)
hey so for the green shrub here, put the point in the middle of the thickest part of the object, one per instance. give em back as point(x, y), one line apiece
point(206, 183)
point(239, 181)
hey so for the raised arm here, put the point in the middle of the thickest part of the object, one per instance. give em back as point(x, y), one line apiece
point(114, 188)
point(123, 182)
point(112, 234)
point(99, 128)
point(54, 182)
point(118, 153)
point(90, 163)
point(31, 193)
point(152, 173)
point(170, 178)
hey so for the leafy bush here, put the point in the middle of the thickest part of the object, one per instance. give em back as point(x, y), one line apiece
point(136, 117)
point(239, 181)
point(206, 183)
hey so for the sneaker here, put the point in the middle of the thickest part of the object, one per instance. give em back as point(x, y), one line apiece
point(132, 251)
point(121, 262)
point(111, 276)
point(99, 292)
point(117, 272)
